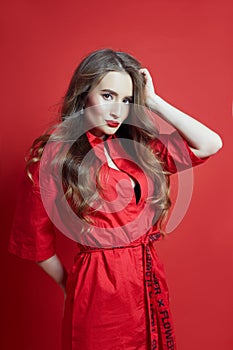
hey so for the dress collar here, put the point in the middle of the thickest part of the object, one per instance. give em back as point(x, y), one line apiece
point(95, 140)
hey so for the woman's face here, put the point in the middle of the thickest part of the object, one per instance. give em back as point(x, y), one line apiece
point(110, 101)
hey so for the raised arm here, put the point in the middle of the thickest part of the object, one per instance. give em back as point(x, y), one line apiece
point(202, 140)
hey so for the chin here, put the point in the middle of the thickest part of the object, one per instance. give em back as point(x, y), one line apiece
point(105, 131)
point(111, 132)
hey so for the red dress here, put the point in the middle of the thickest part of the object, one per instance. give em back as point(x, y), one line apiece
point(117, 296)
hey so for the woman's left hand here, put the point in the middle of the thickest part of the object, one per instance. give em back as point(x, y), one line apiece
point(149, 86)
point(202, 141)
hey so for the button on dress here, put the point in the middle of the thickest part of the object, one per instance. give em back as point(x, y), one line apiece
point(117, 296)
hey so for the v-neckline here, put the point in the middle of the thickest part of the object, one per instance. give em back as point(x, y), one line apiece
point(135, 184)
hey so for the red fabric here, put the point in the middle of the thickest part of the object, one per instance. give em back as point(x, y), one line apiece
point(32, 235)
point(117, 297)
point(174, 152)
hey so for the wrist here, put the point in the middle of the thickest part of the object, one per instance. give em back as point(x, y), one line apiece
point(153, 102)
point(63, 282)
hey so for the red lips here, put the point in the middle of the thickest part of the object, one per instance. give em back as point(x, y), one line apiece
point(112, 124)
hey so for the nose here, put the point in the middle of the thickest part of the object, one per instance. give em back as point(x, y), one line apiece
point(118, 110)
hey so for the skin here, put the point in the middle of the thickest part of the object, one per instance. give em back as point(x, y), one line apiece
point(202, 141)
point(110, 101)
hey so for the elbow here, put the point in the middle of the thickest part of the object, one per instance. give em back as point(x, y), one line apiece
point(217, 144)
point(220, 143)
point(213, 146)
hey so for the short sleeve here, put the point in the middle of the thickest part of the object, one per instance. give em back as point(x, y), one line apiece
point(174, 152)
point(32, 235)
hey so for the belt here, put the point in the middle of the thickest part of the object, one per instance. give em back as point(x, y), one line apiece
point(161, 325)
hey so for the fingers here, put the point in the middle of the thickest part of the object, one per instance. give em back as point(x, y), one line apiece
point(149, 86)
point(145, 72)
point(146, 75)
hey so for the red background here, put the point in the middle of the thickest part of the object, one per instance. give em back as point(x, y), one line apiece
point(187, 45)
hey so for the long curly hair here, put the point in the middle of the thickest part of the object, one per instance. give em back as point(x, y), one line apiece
point(140, 129)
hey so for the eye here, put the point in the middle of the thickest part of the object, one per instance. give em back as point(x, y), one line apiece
point(107, 96)
point(127, 100)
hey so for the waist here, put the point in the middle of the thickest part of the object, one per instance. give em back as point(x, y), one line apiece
point(148, 239)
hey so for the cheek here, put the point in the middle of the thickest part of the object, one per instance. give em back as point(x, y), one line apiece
point(100, 110)
point(92, 100)
point(125, 111)
point(94, 110)
point(96, 105)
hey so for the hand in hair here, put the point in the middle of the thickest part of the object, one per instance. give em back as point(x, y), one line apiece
point(202, 140)
point(149, 86)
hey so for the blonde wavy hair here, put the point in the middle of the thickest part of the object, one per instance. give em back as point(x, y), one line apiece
point(140, 129)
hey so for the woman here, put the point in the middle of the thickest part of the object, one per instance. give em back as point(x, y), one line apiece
point(113, 167)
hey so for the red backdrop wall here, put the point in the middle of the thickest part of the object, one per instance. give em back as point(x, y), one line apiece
point(187, 47)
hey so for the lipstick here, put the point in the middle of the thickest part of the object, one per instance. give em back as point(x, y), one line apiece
point(112, 124)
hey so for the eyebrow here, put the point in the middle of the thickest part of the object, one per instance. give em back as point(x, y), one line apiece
point(115, 93)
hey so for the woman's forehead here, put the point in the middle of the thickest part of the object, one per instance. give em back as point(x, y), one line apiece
point(120, 82)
